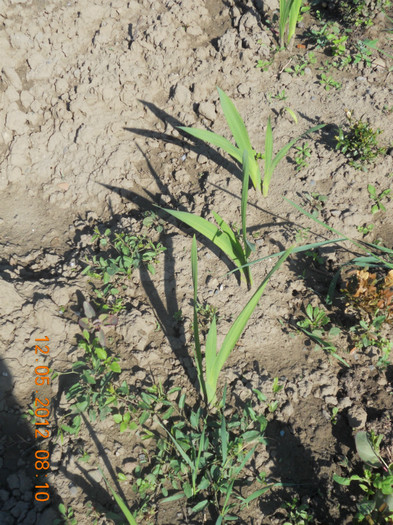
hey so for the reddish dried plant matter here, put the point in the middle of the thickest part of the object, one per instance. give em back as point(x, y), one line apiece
point(365, 291)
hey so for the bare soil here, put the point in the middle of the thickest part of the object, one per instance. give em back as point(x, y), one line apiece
point(91, 96)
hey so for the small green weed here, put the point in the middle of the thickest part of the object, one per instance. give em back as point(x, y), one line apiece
point(313, 326)
point(363, 54)
point(94, 391)
point(280, 96)
point(359, 143)
point(333, 417)
point(328, 82)
point(367, 334)
point(297, 513)
point(67, 516)
point(377, 206)
point(316, 201)
point(303, 153)
point(264, 65)
point(199, 457)
point(316, 318)
point(376, 506)
point(94, 325)
point(123, 253)
point(152, 220)
point(360, 12)
point(365, 229)
point(304, 61)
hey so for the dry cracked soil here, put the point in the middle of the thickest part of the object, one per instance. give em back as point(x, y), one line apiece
point(92, 93)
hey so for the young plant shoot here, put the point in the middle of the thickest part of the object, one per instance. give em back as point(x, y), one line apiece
point(215, 361)
point(240, 134)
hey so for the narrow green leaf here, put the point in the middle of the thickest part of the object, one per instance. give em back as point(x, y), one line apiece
point(224, 441)
point(257, 494)
point(211, 344)
point(236, 330)
point(293, 17)
point(123, 507)
point(240, 134)
point(198, 353)
point(210, 231)
point(246, 173)
point(268, 158)
point(181, 451)
point(199, 506)
point(216, 140)
point(174, 497)
point(292, 113)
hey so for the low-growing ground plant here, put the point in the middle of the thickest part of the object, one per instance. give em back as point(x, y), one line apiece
point(303, 153)
point(360, 12)
point(122, 254)
point(370, 294)
point(198, 456)
point(376, 506)
point(67, 514)
point(313, 325)
point(328, 82)
point(367, 334)
point(93, 391)
point(378, 205)
point(297, 513)
point(359, 143)
point(298, 69)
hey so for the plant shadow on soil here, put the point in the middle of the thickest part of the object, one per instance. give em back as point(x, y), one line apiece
point(185, 141)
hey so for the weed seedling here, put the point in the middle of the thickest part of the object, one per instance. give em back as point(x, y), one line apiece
point(94, 325)
point(304, 61)
point(280, 96)
point(363, 54)
point(313, 327)
point(365, 229)
point(67, 516)
point(303, 153)
point(333, 417)
point(377, 206)
point(328, 82)
point(264, 64)
point(360, 12)
point(123, 254)
point(359, 143)
point(376, 506)
point(297, 513)
point(368, 334)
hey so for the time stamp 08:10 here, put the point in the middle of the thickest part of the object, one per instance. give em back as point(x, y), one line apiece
point(42, 431)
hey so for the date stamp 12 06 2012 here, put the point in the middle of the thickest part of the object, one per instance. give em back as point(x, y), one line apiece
point(41, 412)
